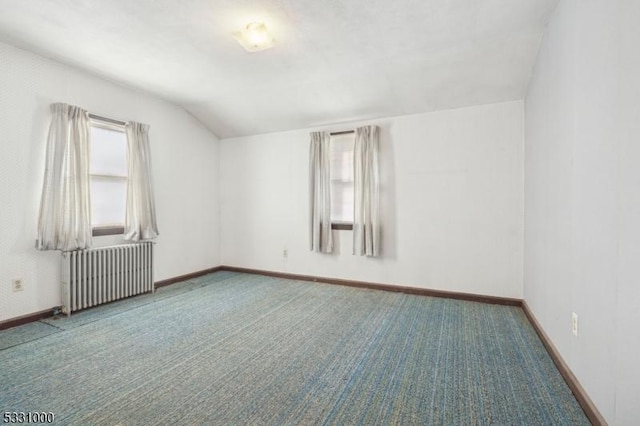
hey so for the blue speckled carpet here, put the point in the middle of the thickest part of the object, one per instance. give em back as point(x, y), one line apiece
point(241, 349)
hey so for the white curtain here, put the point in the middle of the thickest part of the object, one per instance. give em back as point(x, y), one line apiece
point(320, 193)
point(140, 220)
point(366, 222)
point(64, 222)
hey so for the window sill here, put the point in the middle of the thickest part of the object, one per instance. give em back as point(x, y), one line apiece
point(342, 226)
point(107, 230)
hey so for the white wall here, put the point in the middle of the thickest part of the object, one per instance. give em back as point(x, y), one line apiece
point(582, 197)
point(452, 203)
point(185, 173)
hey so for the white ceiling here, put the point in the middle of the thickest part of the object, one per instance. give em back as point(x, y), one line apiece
point(334, 60)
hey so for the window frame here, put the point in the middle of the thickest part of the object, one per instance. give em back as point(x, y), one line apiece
point(341, 225)
point(117, 126)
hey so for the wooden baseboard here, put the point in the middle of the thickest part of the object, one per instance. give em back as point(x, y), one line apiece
point(581, 395)
point(185, 277)
point(379, 286)
point(25, 319)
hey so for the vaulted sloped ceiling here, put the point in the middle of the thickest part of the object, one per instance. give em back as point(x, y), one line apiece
point(334, 60)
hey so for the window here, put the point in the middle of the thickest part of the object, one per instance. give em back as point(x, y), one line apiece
point(341, 148)
point(108, 175)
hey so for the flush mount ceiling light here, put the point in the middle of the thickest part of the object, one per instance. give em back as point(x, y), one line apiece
point(254, 37)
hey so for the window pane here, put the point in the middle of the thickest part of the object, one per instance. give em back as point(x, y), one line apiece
point(108, 200)
point(108, 152)
point(342, 158)
point(342, 202)
point(342, 178)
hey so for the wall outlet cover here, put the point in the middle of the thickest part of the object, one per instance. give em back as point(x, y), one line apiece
point(574, 323)
point(17, 284)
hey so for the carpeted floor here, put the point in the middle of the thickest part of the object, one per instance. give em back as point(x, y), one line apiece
point(240, 349)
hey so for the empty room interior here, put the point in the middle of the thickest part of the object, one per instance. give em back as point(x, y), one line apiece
point(308, 212)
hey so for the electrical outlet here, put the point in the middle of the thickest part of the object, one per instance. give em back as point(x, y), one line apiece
point(285, 253)
point(574, 323)
point(17, 284)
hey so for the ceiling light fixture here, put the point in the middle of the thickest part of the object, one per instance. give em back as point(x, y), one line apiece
point(254, 37)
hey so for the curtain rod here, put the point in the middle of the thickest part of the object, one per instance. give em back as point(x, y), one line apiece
point(345, 132)
point(109, 120)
